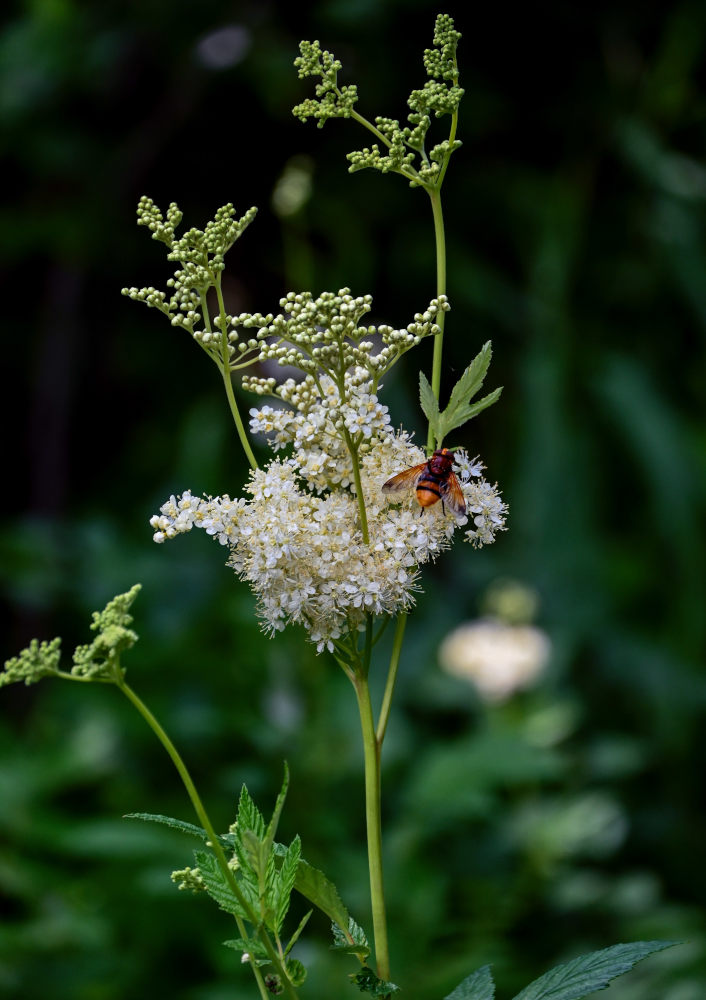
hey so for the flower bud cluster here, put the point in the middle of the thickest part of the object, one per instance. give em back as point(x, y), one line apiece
point(440, 62)
point(201, 254)
point(439, 96)
point(322, 335)
point(334, 101)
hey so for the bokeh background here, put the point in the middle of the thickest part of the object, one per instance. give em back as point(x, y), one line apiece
point(521, 832)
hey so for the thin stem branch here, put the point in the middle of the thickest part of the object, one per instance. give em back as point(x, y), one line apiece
point(215, 844)
point(353, 451)
point(226, 373)
point(391, 678)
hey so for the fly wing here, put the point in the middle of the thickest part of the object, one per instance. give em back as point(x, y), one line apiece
point(452, 495)
point(405, 480)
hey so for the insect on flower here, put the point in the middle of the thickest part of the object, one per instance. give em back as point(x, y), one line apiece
point(433, 480)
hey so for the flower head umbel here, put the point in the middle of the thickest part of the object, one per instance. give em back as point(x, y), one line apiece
point(314, 536)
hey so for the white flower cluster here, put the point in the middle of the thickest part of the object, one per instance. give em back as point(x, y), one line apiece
point(297, 538)
point(316, 427)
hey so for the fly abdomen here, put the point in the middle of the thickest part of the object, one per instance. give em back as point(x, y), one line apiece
point(428, 491)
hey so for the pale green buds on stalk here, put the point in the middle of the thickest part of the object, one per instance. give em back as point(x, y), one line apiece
point(201, 254)
point(399, 150)
point(322, 335)
point(97, 661)
point(333, 102)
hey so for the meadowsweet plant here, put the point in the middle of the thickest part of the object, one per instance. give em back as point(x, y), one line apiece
point(324, 549)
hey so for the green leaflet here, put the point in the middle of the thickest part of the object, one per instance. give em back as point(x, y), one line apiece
point(309, 881)
point(295, 937)
point(296, 971)
point(460, 409)
point(368, 982)
point(319, 890)
point(255, 949)
point(180, 825)
point(428, 401)
point(582, 976)
point(352, 942)
point(478, 986)
point(285, 880)
point(216, 885)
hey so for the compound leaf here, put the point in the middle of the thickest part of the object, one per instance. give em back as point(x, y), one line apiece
point(577, 979)
point(478, 986)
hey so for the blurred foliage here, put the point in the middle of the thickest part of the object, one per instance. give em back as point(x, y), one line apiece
point(523, 834)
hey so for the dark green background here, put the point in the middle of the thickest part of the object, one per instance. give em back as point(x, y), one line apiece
point(566, 820)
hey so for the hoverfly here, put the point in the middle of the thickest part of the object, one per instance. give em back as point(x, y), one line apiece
point(433, 480)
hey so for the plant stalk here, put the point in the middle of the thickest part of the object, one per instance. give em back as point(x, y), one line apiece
point(440, 239)
point(226, 372)
point(371, 750)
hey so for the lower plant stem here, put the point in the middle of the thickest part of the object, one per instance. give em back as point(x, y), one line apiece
point(371, 752)
point(205, 821)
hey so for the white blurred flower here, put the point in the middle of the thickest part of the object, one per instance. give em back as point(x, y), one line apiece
point(498, 659)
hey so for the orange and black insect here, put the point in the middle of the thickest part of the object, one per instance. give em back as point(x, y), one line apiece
point(433, 480)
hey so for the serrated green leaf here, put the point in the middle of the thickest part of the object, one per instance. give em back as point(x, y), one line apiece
point(354, 934)
point(296, 972)
point(284, 882)
point(295, 937)
point(249, 816)
point(478, 986)
point(472, 378)
point(274, 822)
point(319, 890)
point(585, 975)
point(368, 982)
point(462, 414)
point(354, 942)
point(178, 824)
point(253, 948)
point(216, 885)
point(249, 831)
point(429, 403)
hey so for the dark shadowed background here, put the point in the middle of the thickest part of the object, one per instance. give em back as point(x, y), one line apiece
point(520, 834)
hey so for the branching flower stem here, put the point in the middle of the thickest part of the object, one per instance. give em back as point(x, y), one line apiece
point(440, 238)
point(225, 371)
point(410, 173)
point(205, 821)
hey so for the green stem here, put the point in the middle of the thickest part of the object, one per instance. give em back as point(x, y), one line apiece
point(215, 845)
point(226, 373)
point(410, 173)
point(452, 137)
point(371, 750)
point(353, 451)
point(391, 678)
point(357, 117)
point(439, 236)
